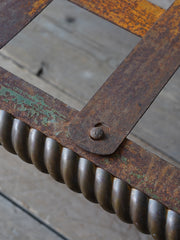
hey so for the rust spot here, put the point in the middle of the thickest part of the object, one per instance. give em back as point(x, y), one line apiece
point(37, 6)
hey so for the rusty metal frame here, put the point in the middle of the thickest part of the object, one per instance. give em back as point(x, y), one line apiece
point(131, 163)
point(122, 100)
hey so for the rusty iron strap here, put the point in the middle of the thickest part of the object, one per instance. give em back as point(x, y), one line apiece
point(136, 16)
point(138, 167)
point(114, 110)
point(16, 14)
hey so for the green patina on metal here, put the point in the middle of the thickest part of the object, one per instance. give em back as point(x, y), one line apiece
point(150, 192)
point(138, 176)
point(34, 106)
point(106, 161)
point(124, 160)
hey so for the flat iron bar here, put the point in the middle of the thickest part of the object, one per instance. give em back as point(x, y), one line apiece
point(131, 163)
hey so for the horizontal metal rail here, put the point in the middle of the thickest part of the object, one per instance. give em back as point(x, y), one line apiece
point(131, 163)
point(82, 176)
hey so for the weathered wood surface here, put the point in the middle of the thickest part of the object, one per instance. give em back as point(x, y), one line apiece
point(73, 52)
point(17, 225)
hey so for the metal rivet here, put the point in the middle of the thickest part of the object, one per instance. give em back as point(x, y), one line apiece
point(96, 133)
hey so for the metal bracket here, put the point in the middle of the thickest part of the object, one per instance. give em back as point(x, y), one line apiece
point(114, 110)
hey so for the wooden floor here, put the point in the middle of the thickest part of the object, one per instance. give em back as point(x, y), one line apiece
point(69, 53)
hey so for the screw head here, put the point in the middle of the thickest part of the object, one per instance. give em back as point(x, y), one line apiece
point(96, 133)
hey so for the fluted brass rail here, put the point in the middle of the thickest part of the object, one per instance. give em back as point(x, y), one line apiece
point(82, 176)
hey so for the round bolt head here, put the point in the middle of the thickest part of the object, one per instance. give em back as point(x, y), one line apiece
point(96, 133)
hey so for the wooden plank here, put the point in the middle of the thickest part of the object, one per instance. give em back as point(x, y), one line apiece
point(16, 224)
